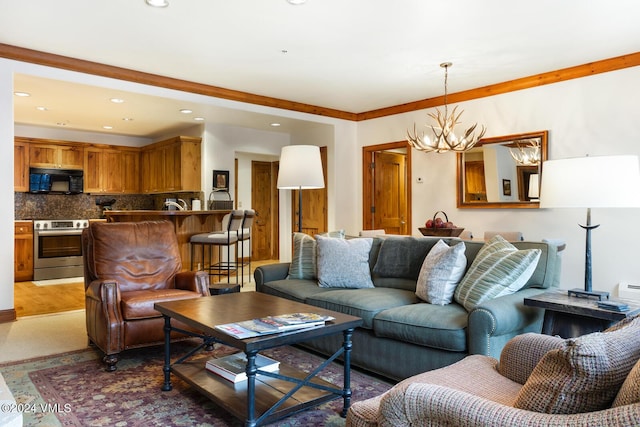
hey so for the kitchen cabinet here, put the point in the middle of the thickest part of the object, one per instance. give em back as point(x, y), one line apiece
point(21, 167)
point(23, 251)
point(55, 156)
point(111, 170)
point(172, 165)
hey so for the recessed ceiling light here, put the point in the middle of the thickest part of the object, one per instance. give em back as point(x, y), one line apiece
point(186, 111)
point(117, 100)
point(61, 123)
point(275, 125)
point(42, 108)
point(296, 2)
point(127, 119)
point(23, 94)
point(157, 3)
point(199, 119)
point(107, 127)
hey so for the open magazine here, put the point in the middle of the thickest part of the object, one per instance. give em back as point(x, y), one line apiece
point(273, 324)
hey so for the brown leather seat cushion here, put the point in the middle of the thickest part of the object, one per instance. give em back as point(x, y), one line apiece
point(139, 304)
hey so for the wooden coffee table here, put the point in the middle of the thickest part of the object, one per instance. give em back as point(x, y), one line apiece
point(271, 396)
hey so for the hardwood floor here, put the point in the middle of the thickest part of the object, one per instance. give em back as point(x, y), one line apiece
point(30, 300)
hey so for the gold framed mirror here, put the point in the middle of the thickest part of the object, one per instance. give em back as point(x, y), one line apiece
point(502, 172)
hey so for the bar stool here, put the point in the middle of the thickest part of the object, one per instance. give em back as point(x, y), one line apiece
point(226, 238)
point(244, 235)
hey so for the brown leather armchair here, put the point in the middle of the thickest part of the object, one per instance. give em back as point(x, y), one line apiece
point(128, 267)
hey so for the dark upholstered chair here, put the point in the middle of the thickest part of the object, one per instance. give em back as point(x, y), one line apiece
point(128, 267)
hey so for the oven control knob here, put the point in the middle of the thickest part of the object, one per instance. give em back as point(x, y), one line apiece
point(45, 225)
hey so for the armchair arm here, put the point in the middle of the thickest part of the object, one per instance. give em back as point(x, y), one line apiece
point(269, 273)
point(494, 322)
point(105, 323)
point(432, 405)
point(194, 281)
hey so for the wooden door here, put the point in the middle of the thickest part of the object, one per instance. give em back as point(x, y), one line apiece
point(264, 198)
point(386, 188)
point(314, 205)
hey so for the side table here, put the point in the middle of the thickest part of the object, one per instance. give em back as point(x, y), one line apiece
point(571, 316)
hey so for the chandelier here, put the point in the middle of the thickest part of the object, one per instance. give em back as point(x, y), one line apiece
point(528, 155)
point(444, 137)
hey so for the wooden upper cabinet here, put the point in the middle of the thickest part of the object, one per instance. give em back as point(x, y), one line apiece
point(172, 165)
point(54, 156)
point(111, 170)
point(21, 167)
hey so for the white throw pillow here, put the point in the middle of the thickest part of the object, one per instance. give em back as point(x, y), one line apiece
point(499, 269)
point(344, 263)
point(441, 271)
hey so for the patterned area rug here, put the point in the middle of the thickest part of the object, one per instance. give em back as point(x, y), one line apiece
point(73, 389)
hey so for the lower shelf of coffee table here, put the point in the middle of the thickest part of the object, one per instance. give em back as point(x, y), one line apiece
point(233, 397)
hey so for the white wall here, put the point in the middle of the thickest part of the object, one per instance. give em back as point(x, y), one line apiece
point(593, 115)
point(6, 189)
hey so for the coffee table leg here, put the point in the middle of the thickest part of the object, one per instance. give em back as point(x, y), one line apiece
point(251, 388)
point(346, 391)
point(167, 354)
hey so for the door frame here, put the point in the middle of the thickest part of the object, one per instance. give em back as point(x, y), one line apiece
point(367, 181)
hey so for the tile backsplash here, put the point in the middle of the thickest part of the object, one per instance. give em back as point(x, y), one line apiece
point(83, 206)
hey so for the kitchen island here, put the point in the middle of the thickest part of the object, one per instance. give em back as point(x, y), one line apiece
point(186, 223)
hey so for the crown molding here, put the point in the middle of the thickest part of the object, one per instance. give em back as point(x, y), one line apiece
point(95, 68)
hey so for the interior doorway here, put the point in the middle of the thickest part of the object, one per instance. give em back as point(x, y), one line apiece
point(386, 170)
point(264, 200)
point(314, 205)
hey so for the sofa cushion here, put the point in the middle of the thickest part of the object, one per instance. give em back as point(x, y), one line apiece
point(402, 257)
point(344, 263)
point(363, 303)
point(293, 289)
point(442, 269)
point(139, 304)
point(499, 269)
point(303, 263)
point(436, 326)
point(585, 375)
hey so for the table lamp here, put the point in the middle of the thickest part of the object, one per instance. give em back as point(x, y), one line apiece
point(300, 169)
point(590, 182)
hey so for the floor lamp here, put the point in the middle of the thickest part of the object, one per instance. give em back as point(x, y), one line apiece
point(590, 182)
point(300, 169)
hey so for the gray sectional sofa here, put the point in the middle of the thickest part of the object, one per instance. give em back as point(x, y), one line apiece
point(402, 335)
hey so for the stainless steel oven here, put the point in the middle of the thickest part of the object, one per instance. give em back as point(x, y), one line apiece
point(57, 248)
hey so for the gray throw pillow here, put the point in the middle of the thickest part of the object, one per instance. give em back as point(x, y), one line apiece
point(303, 263)
point(442, 269)
point(344, 263)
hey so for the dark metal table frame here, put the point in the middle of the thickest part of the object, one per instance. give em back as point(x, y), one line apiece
point(251, 370)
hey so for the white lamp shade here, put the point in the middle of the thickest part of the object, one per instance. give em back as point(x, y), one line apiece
point(300, 168)
point(591, 182)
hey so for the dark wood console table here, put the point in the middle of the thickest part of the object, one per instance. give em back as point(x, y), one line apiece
point(570, 316)
point(266, 398)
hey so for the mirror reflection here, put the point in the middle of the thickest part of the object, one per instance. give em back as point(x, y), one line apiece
point(502, 172)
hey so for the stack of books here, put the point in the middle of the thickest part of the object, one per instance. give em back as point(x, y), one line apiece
point(233, 367)
point(273, 324)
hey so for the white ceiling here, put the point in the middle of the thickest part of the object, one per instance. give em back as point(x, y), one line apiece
point(349, 55)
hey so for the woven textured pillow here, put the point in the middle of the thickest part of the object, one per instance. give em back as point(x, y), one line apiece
point(583, 376)
point(498, 269)
point(630, 391)
point(442, 269)
point(303, 264)
point(344, 263)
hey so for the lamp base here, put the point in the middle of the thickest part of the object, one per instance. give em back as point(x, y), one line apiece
point(581, 293)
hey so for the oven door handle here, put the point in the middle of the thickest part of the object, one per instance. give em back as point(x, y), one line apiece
point(58, 232)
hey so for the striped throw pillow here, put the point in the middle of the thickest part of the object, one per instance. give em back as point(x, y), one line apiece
point(499, 269)
point(303, 264)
